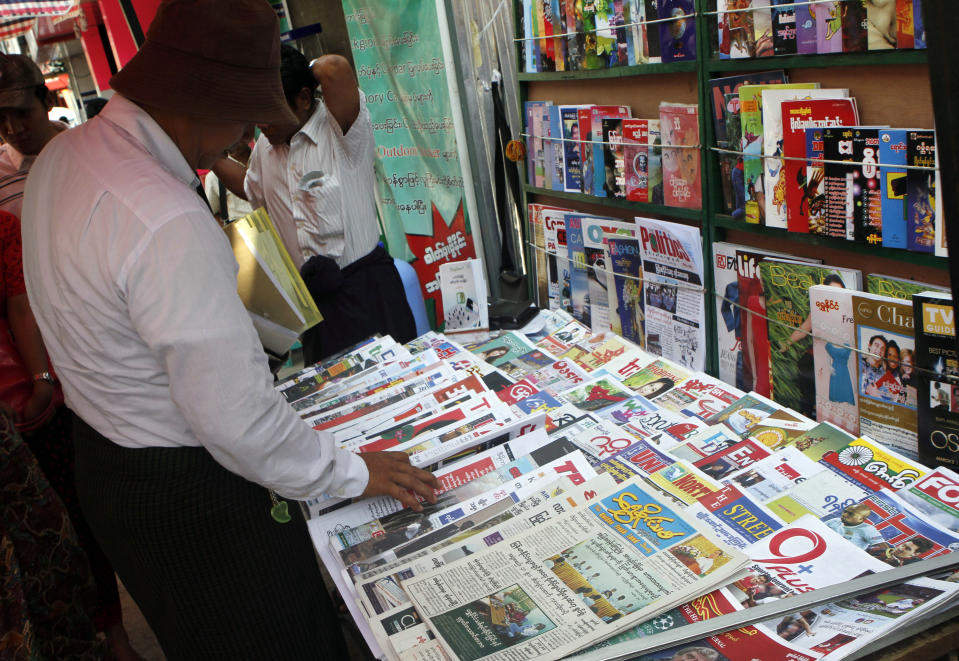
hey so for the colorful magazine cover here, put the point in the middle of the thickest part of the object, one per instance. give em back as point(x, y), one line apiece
point(937, 378)
point(901, 288)
point(892, 152)
point(601, 300)
point(888, 396)
point(786, 289)
point(802, 198)
point(750, 106)
point(784, 27)
point(679, 124)
point(677, 38)
point(596, 135)
point(839, 172)
point(920, 191)
point(673, 275)
point(828, 26)
point(834, 358)
point(636, 159)
point(614, 166)
point(554, 233)
point(626, 265)
point(579, 297)
point(867, 193)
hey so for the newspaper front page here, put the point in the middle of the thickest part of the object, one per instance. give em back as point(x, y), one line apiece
point(572, 582)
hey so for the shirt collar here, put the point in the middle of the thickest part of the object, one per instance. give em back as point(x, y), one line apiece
point(143, 129)
point(311, 129)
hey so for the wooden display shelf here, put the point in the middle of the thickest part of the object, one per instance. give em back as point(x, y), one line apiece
point(922, 259)
point(869, 58)
point(614, 72)
point(639, 207)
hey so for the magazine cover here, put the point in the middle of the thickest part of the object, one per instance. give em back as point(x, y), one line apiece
point(919, 25)
point(534, 142)
point(802, 194)
point(784, 27)
point(750, 107)
point(636, 159)
point(828, 27)
point(573, 173)
point(463, 289)
point(775, 182)
point(597, 160)
point(786, 289)
point(867, 193)
point(554, 234)
point(837, 180)
point(626, 265)
point(920, 191)
point(934, 496)
point(679, 124)
point(677, 38)
point(600, 301)
point(763, 28)
point(901, 288)
point(586, 148)
point(579, 298)
point(575, 41)
point(905, 32)
point(888, 395)
point(756, 372)
point(501, 349)
point(854, 27)
point(806, 40)
point(892, 152)
point(724, 93)
point(814, 185)
point(882, 25)
point(675, 302)
point(655, 163)
point(834, 357)
point(728, 318)
point(614, 167)
point(937, 379)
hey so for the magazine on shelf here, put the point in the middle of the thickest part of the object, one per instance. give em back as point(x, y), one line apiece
point(786, 286)
point(935, 496)
point(596, 115)
point(679, 125)
point(921, 191)
point(802, 193)
point(673, 274)
point(901, 288)
point(893, 152)
point(936, 378)
point(640, 566)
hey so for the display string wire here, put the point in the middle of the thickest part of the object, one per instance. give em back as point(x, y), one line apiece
point(631, 24)
point(783, 7)
point(811, 161)
point(702, 290)
point(610, 29)
point(606, 142)
point(820, 161)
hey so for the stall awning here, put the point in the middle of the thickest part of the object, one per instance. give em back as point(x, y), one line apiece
point(16, 27)
point(34, 8)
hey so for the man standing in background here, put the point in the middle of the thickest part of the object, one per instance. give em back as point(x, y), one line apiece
point(315, 178)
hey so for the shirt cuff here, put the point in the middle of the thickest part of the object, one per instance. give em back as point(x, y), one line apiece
point(352, 475)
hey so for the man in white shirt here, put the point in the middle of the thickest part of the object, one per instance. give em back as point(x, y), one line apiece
point(184, 443)
point(315, 178)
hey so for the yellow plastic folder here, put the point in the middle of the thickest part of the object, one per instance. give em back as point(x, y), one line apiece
point(269, 284)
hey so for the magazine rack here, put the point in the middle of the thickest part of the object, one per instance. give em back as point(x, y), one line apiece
point(870, 77)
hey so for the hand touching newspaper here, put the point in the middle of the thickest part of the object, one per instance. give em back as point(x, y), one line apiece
point(391, 474)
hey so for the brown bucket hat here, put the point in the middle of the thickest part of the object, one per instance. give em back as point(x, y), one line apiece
point(215, 59)
point(19, 78)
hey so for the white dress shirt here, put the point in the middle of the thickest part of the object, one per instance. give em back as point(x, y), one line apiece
point(335, 218)
point(133, 285)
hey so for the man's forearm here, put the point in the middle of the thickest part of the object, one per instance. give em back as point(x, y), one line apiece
point(232, 174)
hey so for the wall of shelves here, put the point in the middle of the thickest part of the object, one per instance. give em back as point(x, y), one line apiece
point(891, 88)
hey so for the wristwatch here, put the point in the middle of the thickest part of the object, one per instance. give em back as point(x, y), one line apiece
point(45, 376)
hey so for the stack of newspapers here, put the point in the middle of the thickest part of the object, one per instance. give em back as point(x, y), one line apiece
point(593, 494)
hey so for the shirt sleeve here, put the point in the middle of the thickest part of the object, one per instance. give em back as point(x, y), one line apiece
point(358, 143)
point(253, 182)
point(181, 293)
